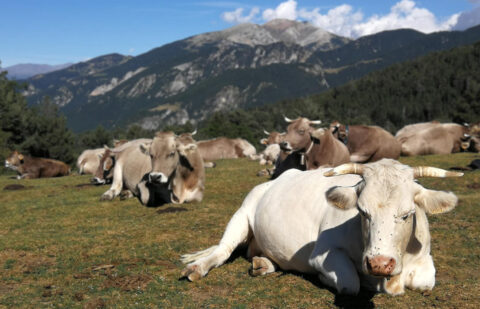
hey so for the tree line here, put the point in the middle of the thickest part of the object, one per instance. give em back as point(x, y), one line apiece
point(443, 86)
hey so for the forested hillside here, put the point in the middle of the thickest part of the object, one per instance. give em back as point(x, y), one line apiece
point(442, 86)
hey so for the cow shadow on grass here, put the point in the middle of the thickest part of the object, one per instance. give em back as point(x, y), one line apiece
point(362, 300)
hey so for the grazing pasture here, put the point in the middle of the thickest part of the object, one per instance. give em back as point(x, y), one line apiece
point(60, 246)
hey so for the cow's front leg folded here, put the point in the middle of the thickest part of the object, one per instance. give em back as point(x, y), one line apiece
point(336, 270)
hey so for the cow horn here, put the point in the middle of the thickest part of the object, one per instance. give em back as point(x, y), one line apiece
point(315, 121)
point(287, 119)
point(466, 124)
point(347, 168)
point(194, 132)
point(466, 135)
point(428, 171)
point(266, 132)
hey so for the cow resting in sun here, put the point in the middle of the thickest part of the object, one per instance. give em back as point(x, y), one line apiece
point(176, 167)
point(125, 165)
point(32, 167)
point(435, 138)
point(317, 147)
point(367, 226)
point(89, 160)
point(225, 148)
point(366, 143)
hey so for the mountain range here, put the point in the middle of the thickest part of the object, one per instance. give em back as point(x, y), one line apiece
point(244, 66)
point(27, 70)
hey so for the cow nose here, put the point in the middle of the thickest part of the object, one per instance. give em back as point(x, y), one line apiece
point(157, 177)
point(380, 265)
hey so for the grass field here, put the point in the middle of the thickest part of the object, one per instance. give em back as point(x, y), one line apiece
point(61, 247)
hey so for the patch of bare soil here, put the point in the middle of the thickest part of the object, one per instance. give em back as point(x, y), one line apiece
point(128, 282)
point(95, 303)
point(171, 210)
point(14, 187)
point(6, 288)
point(26, 262)
point(474, 185)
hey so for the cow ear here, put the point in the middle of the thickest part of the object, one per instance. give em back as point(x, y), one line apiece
point(344, 197)
point(183, 149)
point(263, 141)
point(145, 148)
point(435, 202)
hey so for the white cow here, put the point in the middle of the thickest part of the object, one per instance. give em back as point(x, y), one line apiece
point(350, 230)
point(89, 160)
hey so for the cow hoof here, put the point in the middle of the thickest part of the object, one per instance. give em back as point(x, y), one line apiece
point(107, 196)
point(192, 273)
point(259, 267)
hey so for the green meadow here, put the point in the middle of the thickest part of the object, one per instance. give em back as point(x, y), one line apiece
point(60, 246)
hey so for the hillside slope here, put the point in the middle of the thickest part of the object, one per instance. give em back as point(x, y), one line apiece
point(242, 67)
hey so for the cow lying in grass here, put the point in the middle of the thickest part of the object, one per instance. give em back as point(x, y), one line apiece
point(366, 227)
point(31, 167)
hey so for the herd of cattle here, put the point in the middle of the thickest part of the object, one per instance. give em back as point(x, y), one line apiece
point(366, 226)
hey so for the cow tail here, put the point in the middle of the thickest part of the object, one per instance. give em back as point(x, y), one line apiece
point(192, 257)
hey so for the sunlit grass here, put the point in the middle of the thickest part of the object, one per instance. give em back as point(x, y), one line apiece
point(61, 246)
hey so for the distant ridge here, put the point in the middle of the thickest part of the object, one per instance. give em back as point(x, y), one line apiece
point(245, 66)
point(26, 70)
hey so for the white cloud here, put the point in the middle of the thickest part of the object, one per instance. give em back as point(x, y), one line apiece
point(285, 10)
point(238, 17)
point(345, 20)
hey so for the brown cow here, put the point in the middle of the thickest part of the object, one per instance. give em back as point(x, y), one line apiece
point(176, 165)
point(320, 148)
point(434, 138)
point(225, 148)
point(366, 143)
point(31, 167)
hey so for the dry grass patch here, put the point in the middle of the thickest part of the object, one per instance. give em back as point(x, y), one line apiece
point(96, 254)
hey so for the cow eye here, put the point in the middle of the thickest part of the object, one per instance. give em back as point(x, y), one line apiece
point(171, 154)
point(301, 132)
point(407, 215)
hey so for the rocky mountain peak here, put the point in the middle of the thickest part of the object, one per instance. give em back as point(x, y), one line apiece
point(277, 30)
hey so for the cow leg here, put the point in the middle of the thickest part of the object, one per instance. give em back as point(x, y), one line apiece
point(421, 274)
point(237, 232)
point(261, 266)
point(359, 158)
point(126, 194)
point(117, 184)
point(335, 270)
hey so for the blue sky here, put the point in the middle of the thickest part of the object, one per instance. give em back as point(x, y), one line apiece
point(55, 32)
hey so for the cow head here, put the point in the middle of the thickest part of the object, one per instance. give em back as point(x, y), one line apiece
point(167, 151)
point(273, 138)
point(339, 131)
point(14, 160)
point(298, 134)
point(104, 173)
point(389, 201)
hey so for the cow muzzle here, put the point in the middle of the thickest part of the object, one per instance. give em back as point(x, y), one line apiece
point(380, 265)
point(98, 181)
point(157, 178)
point(285, 146)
